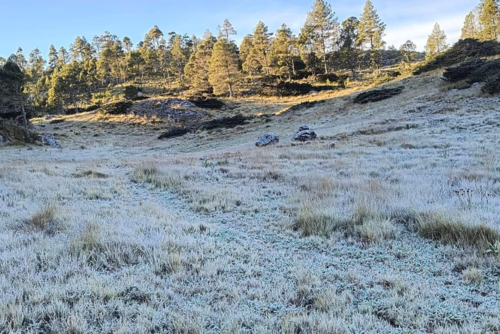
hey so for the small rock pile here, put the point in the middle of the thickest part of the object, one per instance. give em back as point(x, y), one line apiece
point(305, 134)
point(176, 110)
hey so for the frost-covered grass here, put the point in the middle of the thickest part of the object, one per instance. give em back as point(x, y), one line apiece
point(392, 230)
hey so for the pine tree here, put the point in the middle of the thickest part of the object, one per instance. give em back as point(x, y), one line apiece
point(197, 68)
point(127, 44)
point(470, 29)
point(257, 60)
point(245, 48)
point(371, 31)
point(81, 50)
point(21, 60)
point(227, 30)
point(436, 43)
point(135, 65)
point(35, 71)
point(489, 19)
point(67, 85)
point(224, 65)
point(12, 81)
point(408, 55)
point(53, 57)
point(319, 34)
point(283, 51)
point(178, 58)
point(349, 51)
point(151, 51)
point(36, 64)
point(62, 56)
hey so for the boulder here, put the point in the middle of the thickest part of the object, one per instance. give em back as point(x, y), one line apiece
point(48, 139)
point(305, 134)
point(267, 139)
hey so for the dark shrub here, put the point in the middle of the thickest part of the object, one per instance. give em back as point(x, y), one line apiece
point(10, 115)
point(174, 132)
point(463, 50)
point(57, 121)
point(10, 131)
point(286, 89)
point(477, 71)
point(73, 111)
point(207, 103)
point(378, 95)
point(463, 71)
point(132, 92)
point(225, 122)
point(492, 86)
point(305, 105)
point(117, 108)
point(393, 74)
point(488, 71)
point(324, 78)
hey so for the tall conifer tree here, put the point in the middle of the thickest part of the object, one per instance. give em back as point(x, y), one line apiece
point(320, 32)
point(371, 31)
point(489, 19)
point(436, 43)
point(283, 51)
point(470, 29)
point(224, 63)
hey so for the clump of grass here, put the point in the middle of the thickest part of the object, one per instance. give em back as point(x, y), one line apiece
point(375, 229)
point(43, 221)
point(90, 174)
point(451, 230)
point(152, 174)
point(472, 276)
point(362, 224)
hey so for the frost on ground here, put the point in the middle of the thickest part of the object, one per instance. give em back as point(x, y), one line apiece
point(391, 230)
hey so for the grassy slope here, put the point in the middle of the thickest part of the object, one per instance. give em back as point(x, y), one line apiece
point(205, 233)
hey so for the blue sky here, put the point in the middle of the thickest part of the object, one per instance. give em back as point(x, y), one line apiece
point(34, 23)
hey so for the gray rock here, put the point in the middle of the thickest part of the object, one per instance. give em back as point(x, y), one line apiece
point(305, 135)
point(304, 128)
point(267, 139)
point(48, 139)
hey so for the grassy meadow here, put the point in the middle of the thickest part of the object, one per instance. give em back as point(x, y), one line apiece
point(388, 223)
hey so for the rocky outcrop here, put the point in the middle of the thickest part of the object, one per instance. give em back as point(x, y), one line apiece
point(175, 110)
point(267, 139)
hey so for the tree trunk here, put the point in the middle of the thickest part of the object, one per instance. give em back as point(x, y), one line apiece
point(25, 119)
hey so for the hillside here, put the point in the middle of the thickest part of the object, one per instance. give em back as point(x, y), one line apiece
point(386, 223)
